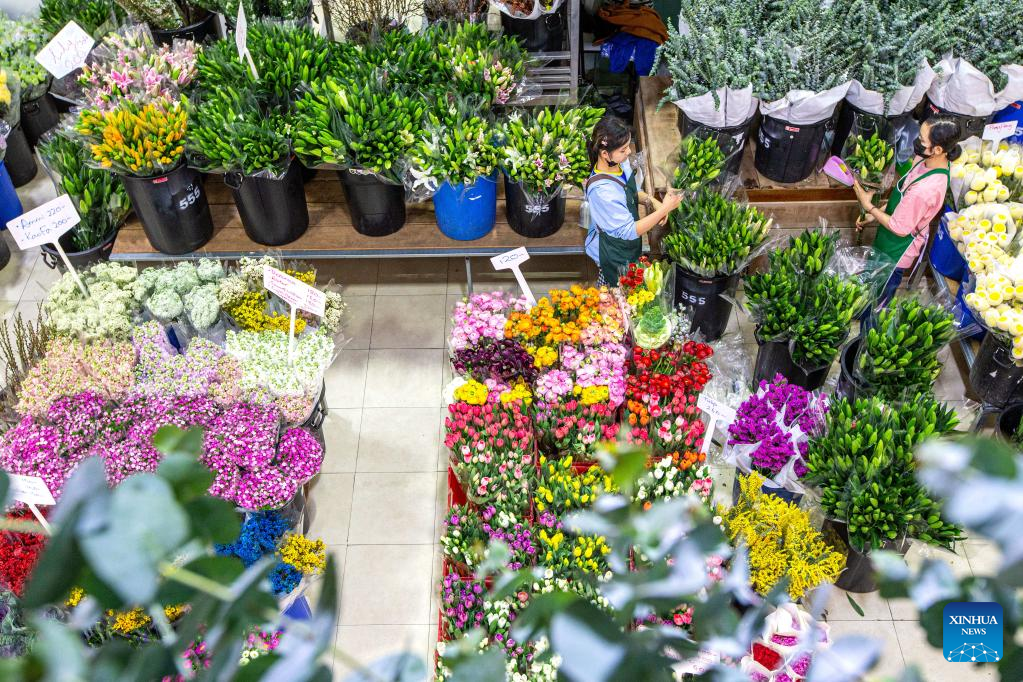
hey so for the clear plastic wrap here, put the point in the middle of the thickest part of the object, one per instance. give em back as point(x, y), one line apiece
point(870, 155)
point(5, 130)
point(10, 98)
point(987, 172)
point(704, 158)
point(645, 291)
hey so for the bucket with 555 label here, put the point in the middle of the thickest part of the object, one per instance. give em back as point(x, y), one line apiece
point(172, 208)
point(709, 299)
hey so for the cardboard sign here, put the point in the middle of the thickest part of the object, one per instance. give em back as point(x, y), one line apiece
point(45, 224)
point(294, 292)
point(511, 260)
point(67, 51)
point(30, 490)
point(996, 132)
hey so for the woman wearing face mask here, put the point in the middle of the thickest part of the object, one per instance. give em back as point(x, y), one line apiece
point(615, 233)
point(915, 200)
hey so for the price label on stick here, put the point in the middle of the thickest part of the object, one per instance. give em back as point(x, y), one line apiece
point(716, 412)
point(297, 294)
point(67, 51)
point(996, 132)
point(32, 490)
point(241, 39)
point(699, 664)
point(45, 225)
point(511, 260)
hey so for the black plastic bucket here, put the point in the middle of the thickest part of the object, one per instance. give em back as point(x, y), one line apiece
point(38, 116)
point(532, 220)
point(173, 210)
point(79, 259)
point(995, 378)
point(774, 357)
point(21, 162)
point(849, 387)
point(273, 211)
point(787, 152)
point(376, 207)
point(868, 124)
point(546, 33)
point(202, 31)
point(858, 576)
point(969, 125)
point(1008, 421)
point(5, 254)
point(703, 295)
point(687, 125)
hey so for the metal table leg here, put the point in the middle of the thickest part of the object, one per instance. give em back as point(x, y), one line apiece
point(468, 274)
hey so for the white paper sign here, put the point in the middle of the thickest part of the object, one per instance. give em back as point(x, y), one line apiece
point(30, 490)
point(45, 224)
point(67, 51)
point(296, 293)
point(996, 132)
point(241, 39)
point(698, 665)
point(715, 408)
point(511, 260)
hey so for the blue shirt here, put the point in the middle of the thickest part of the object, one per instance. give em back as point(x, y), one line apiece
point(609, 213)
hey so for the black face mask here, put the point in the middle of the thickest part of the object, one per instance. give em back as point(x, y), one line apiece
point(919, 149)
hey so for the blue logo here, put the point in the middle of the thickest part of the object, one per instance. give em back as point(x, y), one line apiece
point(972, 632)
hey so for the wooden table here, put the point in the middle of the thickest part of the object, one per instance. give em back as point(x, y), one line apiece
point(798, 205)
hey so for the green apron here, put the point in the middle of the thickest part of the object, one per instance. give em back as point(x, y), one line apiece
point(617, 253)
point(886, 241)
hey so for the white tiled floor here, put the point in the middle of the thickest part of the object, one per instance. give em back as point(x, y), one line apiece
point(380, 499)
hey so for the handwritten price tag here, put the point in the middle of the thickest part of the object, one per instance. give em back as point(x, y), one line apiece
point(294, 292)
point(511, 260)
point(716, 409)
point(996, 132)
point(30, 490)
point(241, 39)
point(45, 224)
point(700, 664)
point(67, 51)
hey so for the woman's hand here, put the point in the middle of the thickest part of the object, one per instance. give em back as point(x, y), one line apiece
point(671, 202)
point(864, 221)
point(865, 198)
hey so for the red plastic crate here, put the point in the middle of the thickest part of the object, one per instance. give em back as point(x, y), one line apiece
point(456, 493)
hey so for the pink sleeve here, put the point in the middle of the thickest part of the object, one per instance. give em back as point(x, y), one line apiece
point(918, 206)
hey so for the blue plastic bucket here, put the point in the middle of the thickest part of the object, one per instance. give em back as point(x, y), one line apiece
point(963, 316)
point(466, 212)
point(945, 256)
point(10, 204)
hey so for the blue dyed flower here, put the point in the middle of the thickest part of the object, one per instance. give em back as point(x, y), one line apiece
point(260, 533)
point(284, 578)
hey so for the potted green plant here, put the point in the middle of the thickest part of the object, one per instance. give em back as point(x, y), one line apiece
point(543, 153)
point(98, 196)
point(228, 133)
point(802, 313)
point(898, 356)
point(461, 161)
point(367, 128)
point(173, 20)
point(711, 239)
point(144, 144)
point(863, 464)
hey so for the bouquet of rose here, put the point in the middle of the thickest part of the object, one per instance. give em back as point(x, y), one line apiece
point(576, 315)
point(19, 553)
point(562, 489)
point(503, 360)
point(481, 316)
point(669, 478)
point(661, 396)
point(771, 432)
point(128, 65)
point(574, 427)
point(784, 649)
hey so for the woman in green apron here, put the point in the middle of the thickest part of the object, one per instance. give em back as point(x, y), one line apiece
point(917, 197)
point(615, 236)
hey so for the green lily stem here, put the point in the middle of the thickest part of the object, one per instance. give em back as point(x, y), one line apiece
point(194, 580)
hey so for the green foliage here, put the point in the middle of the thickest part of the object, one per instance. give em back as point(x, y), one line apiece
point(481, 63)
point(700, 162)
point(228, 132)
point(98, 195)
point(162, 14)
point(899, 355)
point(863, 463)
point(459, 153)
point(711, 235)
point(869, 158)
point(547, 150)
point(795, 300)
point(97, 17)
point(372, 125)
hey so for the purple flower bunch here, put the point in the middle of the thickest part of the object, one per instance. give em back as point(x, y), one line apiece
point(461, 605)
point(502, 359)
point(552, 385)
point(481, 316)
point(768, 419)
point(518, 537)
point(598, 366)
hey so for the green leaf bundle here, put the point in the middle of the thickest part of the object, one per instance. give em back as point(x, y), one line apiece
point(899, 355)
point(229, 132)
point(711, 235)
point(458, 154)
point(98, 195)
point(864, 466)
point(372, 125)
point(97, 17)
point(481, 63)
point(700, 161)
point(869, 158)
point(547, 150)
